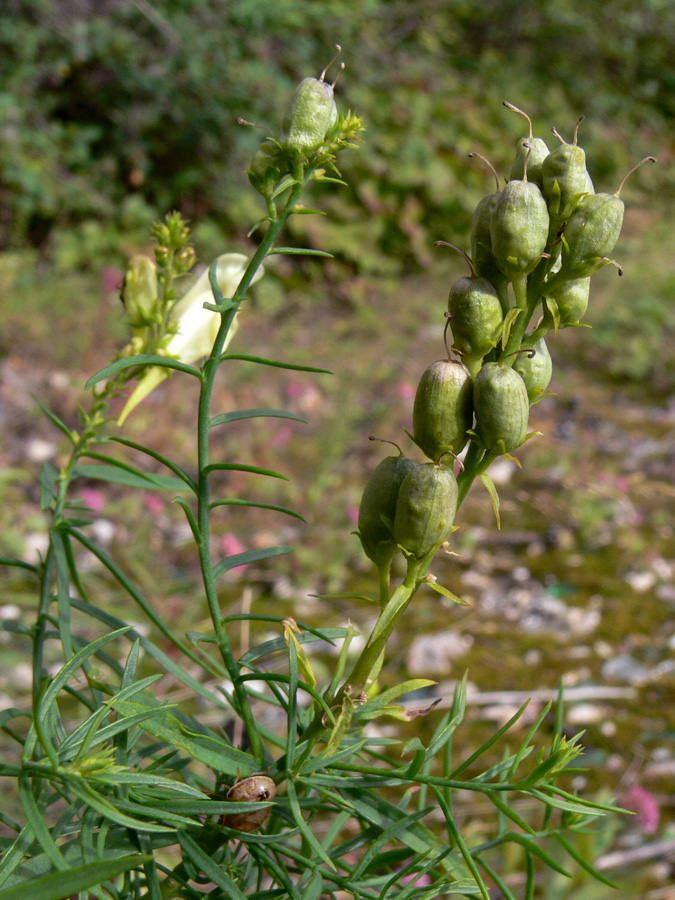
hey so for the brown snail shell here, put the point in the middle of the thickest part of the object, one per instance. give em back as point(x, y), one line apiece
point(253, 789)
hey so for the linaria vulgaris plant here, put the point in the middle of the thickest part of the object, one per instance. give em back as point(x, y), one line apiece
point(129, 797)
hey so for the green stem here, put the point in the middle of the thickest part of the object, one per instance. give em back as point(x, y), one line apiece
point(383, 574)
point(203, 493)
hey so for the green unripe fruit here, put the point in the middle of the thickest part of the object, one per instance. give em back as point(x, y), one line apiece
point(476, 318)
point(591, 234)
point(482, 256)
point(538, 151)
point(378, 507)
point(425, 510)
point(519, 228)
point(564, 180)
point(572, 300)
point(536, 369)
point(140, 292)
point(310, 115)
point(265, 169)
point(443, 410)
point(502, 407)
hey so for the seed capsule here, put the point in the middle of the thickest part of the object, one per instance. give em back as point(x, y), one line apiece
point(253, 789)
point(476, 319)
point(443, 410)
point(378, 508)
point(536, 369)
point(572, 300)
point(530, 151)
point(565, 179)
point(482, 257)
point(265, 169)
point(519, 228)
point(310, 115)
point(502, 407)
point(425, 510)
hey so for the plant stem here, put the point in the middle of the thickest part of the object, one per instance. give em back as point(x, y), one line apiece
point(203, 495)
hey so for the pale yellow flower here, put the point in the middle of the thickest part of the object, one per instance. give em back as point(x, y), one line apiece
point(196, 327)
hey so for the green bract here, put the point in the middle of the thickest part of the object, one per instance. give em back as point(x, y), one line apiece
point(519, 228)
point(502, 407)
point(443, 410)
point(425, 510)
point(378, 507)
point(310, 115)
point(476, 319)
point(536, 369)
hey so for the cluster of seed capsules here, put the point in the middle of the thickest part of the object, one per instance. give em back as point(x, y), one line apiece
point(534, 246)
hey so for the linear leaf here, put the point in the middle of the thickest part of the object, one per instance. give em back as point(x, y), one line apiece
point(118, 474)
point(272, 506)
point(61, 885)
point(238, 414)
point(261, 360)
point(53, 418)
point(248, 556)
point(240, 467)
point(584, 863)
point(298, 251)
point(494, 496)
point(48, 478)
point(212, 870)
point(18, 564)
point(143, 359)
point(154, 454)
point(306, 831)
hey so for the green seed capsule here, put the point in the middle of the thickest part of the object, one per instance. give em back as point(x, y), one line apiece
point(378, 507)
point(530, 153)
point(476, 319)
point(426, 507)
point(535, 369)
point(519, 228)
point(265, 169)
point(565, 179)
point(482, 256)
point(572, 300)
point(311, 114)
point(443, 410)
point(502, 407)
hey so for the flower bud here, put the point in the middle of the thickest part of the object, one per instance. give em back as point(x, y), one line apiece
point(378, 507)
point(536, 369)
point(140, 293)
point(443, 410)
point(502, 407)
point(310, 115)
point(425, 510)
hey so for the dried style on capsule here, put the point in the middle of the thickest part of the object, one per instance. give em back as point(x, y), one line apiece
point(529, 150)
point(253, 789)
point(502, 407)
point(425, 510)
point(443, 410)
point(519, 228)
point(565, 179)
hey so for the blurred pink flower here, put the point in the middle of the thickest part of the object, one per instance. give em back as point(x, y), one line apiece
point(111, 278)
point(646, 807)
point(281, 437)
point(406, 391)
point(419, 880)
point(230, 545)
point(353, 513)
point(153, 504)
point(94, 499)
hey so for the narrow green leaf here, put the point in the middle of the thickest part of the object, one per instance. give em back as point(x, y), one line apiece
point(347, 595)
point(240, 467)
point(568, 805)
point(122, 474)
point(584, 863)
point(285, 183)
point(18, 564)
point(277, 644)
point(238, 414)
point(536, 850)
point(503, 887)
point(143, 359)
point(492, 740)
point(509, 319)
point(48, 478)
point(275, 363)
point(204, 863)
point(61, 885)
point(314, 887)
point(494, 496)
point(306, 831)
point(389, 834)
point(298, 251)
point(53, 418)
point(62, 593)
point(461, 843)
point(247, 557)
point(255, 505)
point(36, 820)
point(103, 806)
point(154, 454)
point(435, 586)
point(509, 812)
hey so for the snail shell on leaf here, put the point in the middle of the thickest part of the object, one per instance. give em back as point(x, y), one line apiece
point(253, 789)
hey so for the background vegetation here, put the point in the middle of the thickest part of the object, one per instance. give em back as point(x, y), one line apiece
point(113, 112)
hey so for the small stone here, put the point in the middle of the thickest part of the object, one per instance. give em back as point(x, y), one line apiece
point(39, 451)
point(587, 714)
point(625, 668)
point(641, 582)
point(433, 654)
